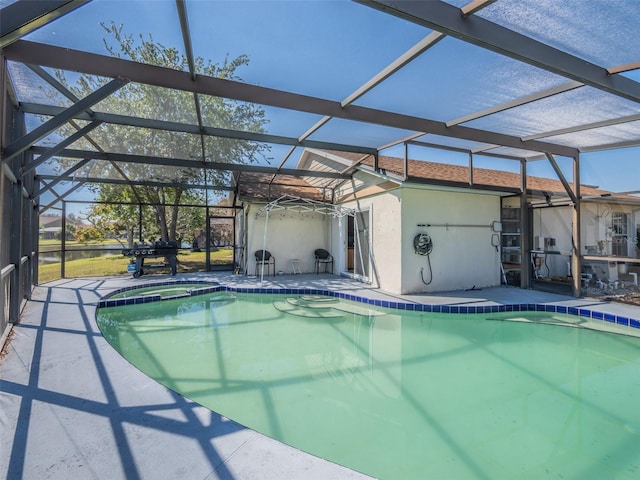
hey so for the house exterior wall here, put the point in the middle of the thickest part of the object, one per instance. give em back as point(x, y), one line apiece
point(462, 257)
point(385, 233)
point(596, 234)
point(289, 235)
point(598, 229)
point(552, 232)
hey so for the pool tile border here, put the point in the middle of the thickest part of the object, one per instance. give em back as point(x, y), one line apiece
point(107, 301)
point(213, 287)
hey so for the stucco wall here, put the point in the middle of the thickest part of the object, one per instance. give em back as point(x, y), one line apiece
point(462, 257)
point(385, 269)
point(289, 235)
point(338, 243)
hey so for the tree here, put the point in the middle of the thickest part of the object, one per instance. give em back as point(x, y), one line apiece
point(115, 219)
point(88, 234)
point(160, 103)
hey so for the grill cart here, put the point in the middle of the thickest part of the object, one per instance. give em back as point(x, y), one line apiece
point(145, 250)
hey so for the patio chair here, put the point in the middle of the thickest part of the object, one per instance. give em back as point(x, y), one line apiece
point(323, 258)
point(263, 257)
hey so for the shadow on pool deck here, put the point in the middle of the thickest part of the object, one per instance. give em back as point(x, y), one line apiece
point(72, 407)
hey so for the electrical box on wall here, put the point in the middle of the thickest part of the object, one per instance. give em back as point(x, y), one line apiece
point(543, 243)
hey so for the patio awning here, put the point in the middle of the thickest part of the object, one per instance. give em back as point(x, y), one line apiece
point(298, 204)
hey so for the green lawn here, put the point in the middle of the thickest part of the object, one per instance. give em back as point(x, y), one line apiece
point(117, 265)
point(58, 243)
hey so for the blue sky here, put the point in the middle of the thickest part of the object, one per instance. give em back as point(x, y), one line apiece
point(333, 47)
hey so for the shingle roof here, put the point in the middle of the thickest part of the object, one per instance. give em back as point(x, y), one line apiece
point(258, 186)
point(432, 171)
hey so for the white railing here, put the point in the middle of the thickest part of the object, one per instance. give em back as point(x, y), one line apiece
point(7, 270)
point(5, 299)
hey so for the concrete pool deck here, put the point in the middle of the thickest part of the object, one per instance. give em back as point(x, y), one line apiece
point(72, 407)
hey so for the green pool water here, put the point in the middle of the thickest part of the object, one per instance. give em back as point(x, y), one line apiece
point(400, 395)
point(162, 290)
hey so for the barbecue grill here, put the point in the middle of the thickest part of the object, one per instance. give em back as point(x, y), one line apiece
point(144, 250)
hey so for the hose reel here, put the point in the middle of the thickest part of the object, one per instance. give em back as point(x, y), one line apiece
point(423, 245)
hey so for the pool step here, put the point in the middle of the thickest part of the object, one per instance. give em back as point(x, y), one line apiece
point(318, 299)
point(298, 302)
point(312, 306)
point(553, 320)
point(358, 310)
point(222, 298)
point(301, 311)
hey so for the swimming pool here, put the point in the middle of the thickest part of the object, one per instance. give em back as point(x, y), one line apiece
point(400, 394)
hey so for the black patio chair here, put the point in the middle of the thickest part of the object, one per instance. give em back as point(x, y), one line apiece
point(323, 258)
point(263, 257)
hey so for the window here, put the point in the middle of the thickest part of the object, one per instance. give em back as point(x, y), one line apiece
point(619, 234)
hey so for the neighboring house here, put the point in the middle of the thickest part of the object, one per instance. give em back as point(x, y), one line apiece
point(610, 229)
point(473, 229)
point(50, 227)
